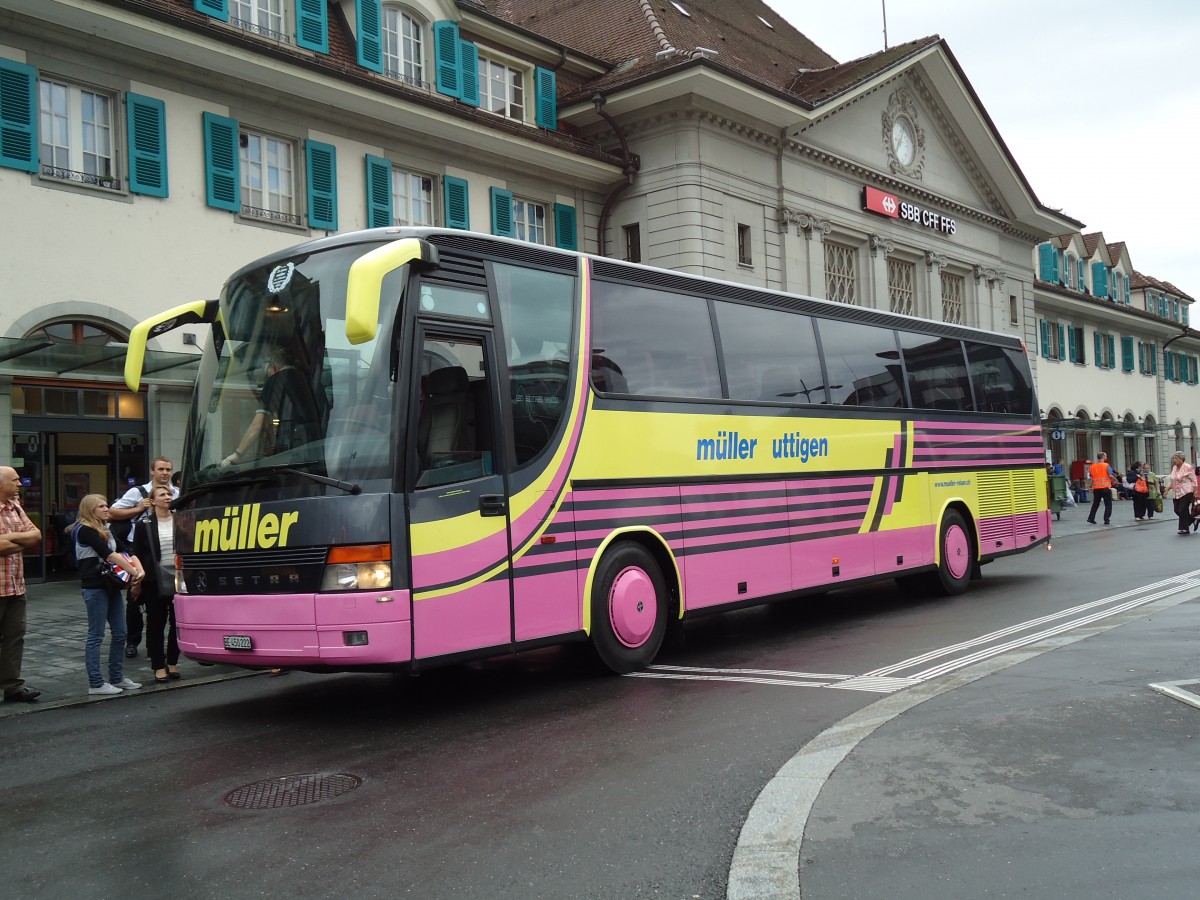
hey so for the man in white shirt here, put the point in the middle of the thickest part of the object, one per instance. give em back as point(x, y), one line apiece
point(122, 513)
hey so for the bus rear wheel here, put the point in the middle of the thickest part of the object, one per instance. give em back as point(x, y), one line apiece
point(956, 553)
point(629, 608)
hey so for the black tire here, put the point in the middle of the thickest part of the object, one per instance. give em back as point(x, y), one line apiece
point(956, 555)
point(629, 608)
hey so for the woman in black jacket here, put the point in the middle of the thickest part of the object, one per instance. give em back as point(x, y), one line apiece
point(154, 544)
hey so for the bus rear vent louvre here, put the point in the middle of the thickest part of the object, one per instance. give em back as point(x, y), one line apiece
point(1008, 502)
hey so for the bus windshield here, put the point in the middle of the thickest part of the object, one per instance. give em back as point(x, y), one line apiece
point(281, 386)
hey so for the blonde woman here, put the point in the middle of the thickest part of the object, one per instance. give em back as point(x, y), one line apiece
point(1181, 487)
point(104, 601)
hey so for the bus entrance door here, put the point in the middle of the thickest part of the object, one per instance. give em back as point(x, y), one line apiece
point(458, 526)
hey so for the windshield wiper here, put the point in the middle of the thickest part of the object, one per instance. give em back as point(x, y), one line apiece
point(255, 475)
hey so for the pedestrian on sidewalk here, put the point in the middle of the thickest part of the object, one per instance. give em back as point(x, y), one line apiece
point(154, 546)
point(1181, 488)
point(133, 505)
point(17, 534)
point(1103, 478)
point(103, 595)
point(1154, 490)
point(1140, 491)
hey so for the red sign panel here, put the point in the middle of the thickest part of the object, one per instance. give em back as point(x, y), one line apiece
point(877, 201)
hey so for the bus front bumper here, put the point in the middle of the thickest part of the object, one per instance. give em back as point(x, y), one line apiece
point(292, 630)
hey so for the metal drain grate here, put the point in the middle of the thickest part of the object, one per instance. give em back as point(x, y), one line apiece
point(291, 790)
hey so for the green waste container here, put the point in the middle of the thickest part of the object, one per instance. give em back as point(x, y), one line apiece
point(1057, 486)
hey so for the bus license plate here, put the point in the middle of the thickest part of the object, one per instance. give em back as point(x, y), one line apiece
point(238, 642)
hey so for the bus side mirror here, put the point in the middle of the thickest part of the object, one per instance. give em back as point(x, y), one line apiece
point(365, 282)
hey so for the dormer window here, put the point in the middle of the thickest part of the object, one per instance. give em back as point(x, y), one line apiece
point(1069, 271)
point(501, 89)
point(403, 47)
point(265, 17)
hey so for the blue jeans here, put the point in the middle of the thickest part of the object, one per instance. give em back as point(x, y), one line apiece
point(104, 605)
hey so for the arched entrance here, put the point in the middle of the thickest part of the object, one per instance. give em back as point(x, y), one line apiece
point(76, 429)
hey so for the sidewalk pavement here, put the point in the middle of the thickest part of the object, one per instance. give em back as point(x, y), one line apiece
point(53, 663)
point(57, 630)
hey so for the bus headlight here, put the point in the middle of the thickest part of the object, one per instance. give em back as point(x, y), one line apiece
point(365, 567)
point(372, 576)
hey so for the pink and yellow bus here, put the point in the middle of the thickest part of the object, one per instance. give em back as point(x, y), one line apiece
point(413, 447)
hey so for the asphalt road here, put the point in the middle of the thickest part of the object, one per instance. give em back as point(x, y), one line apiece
point(527, 777)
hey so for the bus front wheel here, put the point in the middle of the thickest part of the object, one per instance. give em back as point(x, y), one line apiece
point(629, 608)
point(957, 555)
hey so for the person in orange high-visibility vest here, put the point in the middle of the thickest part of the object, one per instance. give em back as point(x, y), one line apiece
point(1103, 478)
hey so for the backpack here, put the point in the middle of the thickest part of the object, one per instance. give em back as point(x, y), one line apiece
point(123, 531)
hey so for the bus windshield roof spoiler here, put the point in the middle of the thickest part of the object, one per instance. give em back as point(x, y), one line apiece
point(365, 282)
point(198, 312)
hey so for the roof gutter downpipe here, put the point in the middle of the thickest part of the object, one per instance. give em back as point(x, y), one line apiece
point(633, 164)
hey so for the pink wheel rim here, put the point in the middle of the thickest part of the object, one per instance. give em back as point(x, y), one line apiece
point(956, 552)
point(632, 607)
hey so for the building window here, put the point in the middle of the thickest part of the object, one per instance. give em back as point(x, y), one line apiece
point(76, 129)
point(501, 89)
point(1075, 347)
point(840, 284)
point(268, 171)
point(265, 17)
point(1012, 309)
point(1069, 271)
point(403, 51)
point(529, 221)
point(633, 243)
point(412, 198)
point(953, 288)
point(902, 287)
point(745, 257)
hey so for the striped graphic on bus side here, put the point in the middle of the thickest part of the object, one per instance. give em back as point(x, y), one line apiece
point(942, 444)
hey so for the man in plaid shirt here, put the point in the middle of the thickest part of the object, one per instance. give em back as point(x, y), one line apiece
point(17, 534)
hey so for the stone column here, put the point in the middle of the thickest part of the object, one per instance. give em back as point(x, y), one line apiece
point(879, 296)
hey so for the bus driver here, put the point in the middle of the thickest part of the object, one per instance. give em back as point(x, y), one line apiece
point(286, 416)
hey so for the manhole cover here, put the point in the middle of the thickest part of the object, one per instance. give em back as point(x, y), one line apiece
point(291, 790)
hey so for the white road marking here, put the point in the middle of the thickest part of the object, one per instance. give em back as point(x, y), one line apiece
point(897, 677)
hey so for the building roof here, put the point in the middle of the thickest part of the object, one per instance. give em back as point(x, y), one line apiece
point(640, 39)
point(1139, 281)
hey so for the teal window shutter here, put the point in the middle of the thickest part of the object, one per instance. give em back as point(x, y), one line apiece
point(1154, 360)
point(1099, 281)
point(369, 19)
point(1047, 263)
point(1141, 357)
point(1126, 353)
point(321, 163)
point(1072, 348)
point(458, 205)
point(1169, 366)
point(312, 25)
point(218, 9)
point(565, 235)
point(1098, 340)
point(545, 87)
point(1045, 326)
point(1062, 341)
point(469, 75)
point(379, 192)
point(18, 116)
point(502, 213)
point(447, 58)
point(146, 124)
point(222, 164)
point(1080, 267)
point(1110, 343)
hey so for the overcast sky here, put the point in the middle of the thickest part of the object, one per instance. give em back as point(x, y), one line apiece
point(1099, 103)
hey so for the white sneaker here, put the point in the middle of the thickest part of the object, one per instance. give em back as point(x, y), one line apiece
point(105, 688)
point(126, 684)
